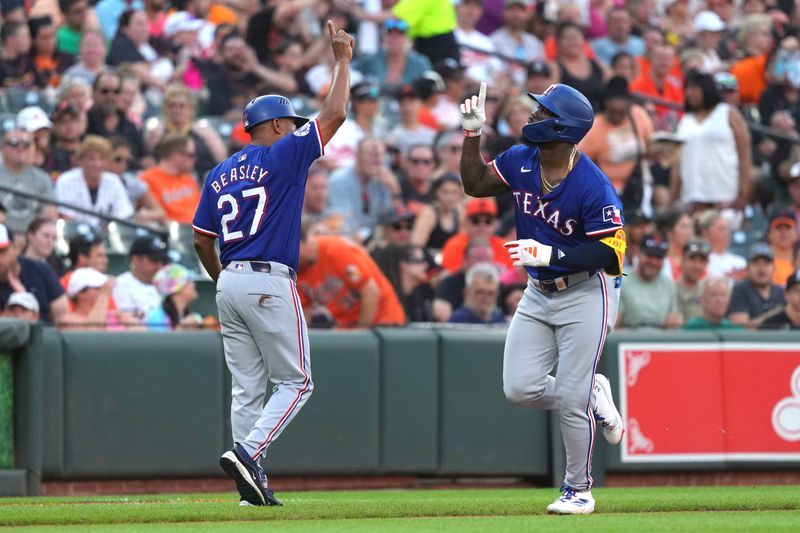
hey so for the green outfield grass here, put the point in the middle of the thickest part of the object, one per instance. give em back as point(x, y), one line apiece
point(457, 510)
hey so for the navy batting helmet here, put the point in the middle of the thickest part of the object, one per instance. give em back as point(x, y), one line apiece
point(573, 116)
point(269, 107)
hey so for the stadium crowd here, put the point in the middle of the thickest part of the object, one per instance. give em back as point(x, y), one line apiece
point(116, 111)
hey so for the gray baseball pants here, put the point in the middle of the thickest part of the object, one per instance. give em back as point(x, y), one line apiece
point(567, 328)
point(266, 341)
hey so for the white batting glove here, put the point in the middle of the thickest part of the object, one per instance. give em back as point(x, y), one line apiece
point(473, 117)
point(529, 252)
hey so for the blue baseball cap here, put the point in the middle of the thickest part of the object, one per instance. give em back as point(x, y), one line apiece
point(396, 25)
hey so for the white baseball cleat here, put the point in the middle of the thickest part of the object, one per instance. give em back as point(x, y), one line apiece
point(605, 412)
point(572, 502)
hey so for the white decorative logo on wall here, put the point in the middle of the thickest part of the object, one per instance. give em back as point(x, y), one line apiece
point(786, 414)
point(636, 362)
point(637, 442)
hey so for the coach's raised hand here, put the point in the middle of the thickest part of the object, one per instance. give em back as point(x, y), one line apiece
point(341, 42)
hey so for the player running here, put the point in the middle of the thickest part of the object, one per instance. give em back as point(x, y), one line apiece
point(252, 202)
point(569, 231)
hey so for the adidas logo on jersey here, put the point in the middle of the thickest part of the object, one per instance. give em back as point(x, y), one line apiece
point(561, 254)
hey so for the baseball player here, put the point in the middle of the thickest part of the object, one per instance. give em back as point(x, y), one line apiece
point(569, 235)
point(252, 203)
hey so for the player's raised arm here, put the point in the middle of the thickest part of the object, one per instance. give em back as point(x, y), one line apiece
point(479, 178)
point(334, 110)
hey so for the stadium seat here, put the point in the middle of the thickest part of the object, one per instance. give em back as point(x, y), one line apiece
point(220, 124)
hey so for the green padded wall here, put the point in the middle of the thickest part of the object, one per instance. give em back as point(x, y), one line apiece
point(410, 400)
point(6, 409)
point(482, 433)
point(143, 404)
point(338, 430)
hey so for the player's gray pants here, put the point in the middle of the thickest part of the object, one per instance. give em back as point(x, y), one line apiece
point(266, 341)
point(568, 328)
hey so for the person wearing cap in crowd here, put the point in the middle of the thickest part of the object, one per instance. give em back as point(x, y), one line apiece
point(90, 294)
point(782, 236)
point(440, 220)
point(715, 229)
point(175, 283)
point(477, 51)
point(34, 120)
point(90, 186)
point(18, 171)
point(513, 39)
point(789, 317)
point(20, 274)
point(69, 126)
point(416, 183)
point(172, 181)
point(409, 132)
point(709, 29)
point(16, 62)
point(364, 120)
point(619, 140)
point(395, 229)
point(394, 64)
point(134, 292)
point(22, 306)
point(360, 193)
point(619, 37)
point(689, 284)
point(340, 284)
point(728, 87)
point(446, 107)
point(637, 225)
point(539, 77)
point(714, 300)
point(756, 298)
point(481, 292)
point(480, 223)
point(650, 298)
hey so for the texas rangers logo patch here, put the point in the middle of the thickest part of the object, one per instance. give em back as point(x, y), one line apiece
point(612, 214)
point(303, 131)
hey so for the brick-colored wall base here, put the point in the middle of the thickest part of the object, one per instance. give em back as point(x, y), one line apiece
point(689, 479)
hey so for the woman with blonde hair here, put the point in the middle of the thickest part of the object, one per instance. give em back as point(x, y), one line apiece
point(179, 117)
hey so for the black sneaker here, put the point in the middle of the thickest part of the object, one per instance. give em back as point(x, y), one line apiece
point(249, 477)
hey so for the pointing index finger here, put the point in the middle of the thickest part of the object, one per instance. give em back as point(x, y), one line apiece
point(482, 94)
point(331, 30)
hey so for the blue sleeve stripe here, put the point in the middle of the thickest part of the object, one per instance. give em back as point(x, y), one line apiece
point(204, 231)
point(499, 174)
point(601, 231)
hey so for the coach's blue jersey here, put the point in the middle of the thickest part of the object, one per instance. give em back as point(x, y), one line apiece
point(253, 200)
point(583, 208)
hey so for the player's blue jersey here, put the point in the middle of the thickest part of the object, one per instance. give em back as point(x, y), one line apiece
point(253, 200)
point(583, 208)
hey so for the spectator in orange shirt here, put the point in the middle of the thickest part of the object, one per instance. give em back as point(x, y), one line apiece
point(340, 285)
point(755, 37)
point(782, 236)
point(171, 180)
point(481, 220)
point(656, 81)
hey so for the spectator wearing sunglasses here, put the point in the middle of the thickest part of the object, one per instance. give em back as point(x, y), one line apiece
point(105, 118)
point(418, 165)
point(395, 64)
point(17, 170)
point(480, 224)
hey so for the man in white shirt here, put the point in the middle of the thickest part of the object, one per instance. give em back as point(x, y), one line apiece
point(721, 262)
point(134, 292)
point(481, 65)
point(513, 40)
point(90, 186)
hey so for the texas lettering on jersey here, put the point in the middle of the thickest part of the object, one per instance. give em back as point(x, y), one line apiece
point(583, 208)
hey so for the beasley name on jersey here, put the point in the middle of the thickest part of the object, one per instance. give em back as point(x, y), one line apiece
point(253, 200)
point(582, 208)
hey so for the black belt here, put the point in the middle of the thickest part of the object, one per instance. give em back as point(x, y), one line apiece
point(550, 286)
point(261, 266)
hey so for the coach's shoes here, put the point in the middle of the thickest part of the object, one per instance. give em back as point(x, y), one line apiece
point(249, 477)
point(572, 502)
point(605, 412)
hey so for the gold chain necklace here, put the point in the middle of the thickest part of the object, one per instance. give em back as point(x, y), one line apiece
point(550, 188)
